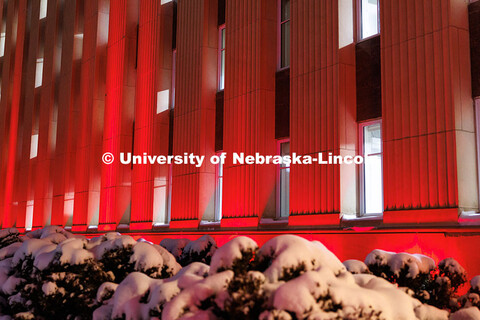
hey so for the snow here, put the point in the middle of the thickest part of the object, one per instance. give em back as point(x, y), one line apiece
point(175, 246)
point(146, 256)
point(289, 251)
point(105, 290)
point(415, 263)
point(298, 278)
point(49, 288)
point(191, 274)
point(9, 251)
point(300, 295)
point(186, 303)
point(471, 313)
point(475, 283)
point(452, 266)
point(111, 241)
point(198, 246)
point(128, 293)
point(32, 247)
point(226, 255)
point(355, 266)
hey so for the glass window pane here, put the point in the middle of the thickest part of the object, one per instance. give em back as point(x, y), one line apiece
point(221, 84)
point(223, 38)
point(284, 192)
point(285, 50)
point(373, 184)
point(373, 139)
point(369, 18)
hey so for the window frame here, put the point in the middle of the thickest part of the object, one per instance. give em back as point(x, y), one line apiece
point(279, 35)
point(219, 58)
point(278, 215)
point(361, 142)
point(359, 22)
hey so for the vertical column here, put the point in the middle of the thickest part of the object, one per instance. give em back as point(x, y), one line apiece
point(194, 116)
point(66, 114)
point(142, 179)
point(92, 91)
point(115, 197)
point(23, 183)
point(428, 119)
point(322, 114)
point(10, 209)
point(162, 114)
point(249, 114)
point(47, 125)
point(8, 63)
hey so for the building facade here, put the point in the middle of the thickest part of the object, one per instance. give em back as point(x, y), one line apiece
point(393, 81)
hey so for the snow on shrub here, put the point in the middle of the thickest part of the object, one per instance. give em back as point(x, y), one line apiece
point(287, 256)
point(175, 246)
point(356, 267)
point(53, 274)
point(471, 313)
point(435, 285)
point(123, 255)
point(9, 236)
point(200, 250)
point(236, 253)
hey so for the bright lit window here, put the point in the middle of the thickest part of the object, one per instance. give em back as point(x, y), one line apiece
point(162, 100)
point(29, 215)
point(283, 185)
point(221, 58)
point(39, 73)
point(369, 18)
point(43, 9)
point(2, 44)
point(34, 146)
point(372, 181)
point(284, 41)
point(218, 191)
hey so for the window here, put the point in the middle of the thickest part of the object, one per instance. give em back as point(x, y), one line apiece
point(283, 182)
point(43, 9)
point(2, 44)
point(221, 58)
point(162, 100)
point(218, 190)
point(34, 146)
point(39, 73)
point(284, 34)
point(174, 70)
point(29, 215)
point(371, 173)
point(369, 24)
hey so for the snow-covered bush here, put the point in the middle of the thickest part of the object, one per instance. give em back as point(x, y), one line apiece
point(435, 285)
point(9, 236)
point(200, 250)
point(53, 274)
point(175, 246)
point(122, 255)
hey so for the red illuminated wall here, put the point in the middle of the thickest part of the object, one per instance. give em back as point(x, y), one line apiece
point(108, 87)
point(428, 120)
point(322, 114)
point(194, 113)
